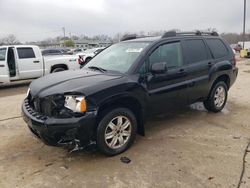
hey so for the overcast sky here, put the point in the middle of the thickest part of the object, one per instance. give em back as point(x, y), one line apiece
point(40, 19)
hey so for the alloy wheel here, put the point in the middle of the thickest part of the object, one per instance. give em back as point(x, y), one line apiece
point(118, 132)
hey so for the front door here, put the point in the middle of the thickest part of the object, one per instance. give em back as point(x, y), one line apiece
point(4, 70)
point(167, 90)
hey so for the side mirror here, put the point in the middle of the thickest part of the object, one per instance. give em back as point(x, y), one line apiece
point(159, 68)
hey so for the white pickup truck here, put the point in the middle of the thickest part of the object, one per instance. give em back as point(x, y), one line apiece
point(22, 62)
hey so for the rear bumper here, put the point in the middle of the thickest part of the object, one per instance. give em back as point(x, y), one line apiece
point(55, 131)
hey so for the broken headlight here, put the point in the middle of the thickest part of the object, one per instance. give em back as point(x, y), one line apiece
point(75, 103)
point(28, 92)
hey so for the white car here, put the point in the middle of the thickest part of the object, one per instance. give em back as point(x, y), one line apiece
point(89, 54)
point(22, 62)
point(76, 50)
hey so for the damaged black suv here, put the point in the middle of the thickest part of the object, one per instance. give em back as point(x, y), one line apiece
point(108, 100)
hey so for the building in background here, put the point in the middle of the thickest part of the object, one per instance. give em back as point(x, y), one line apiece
point(81, 43)
point(86, 44)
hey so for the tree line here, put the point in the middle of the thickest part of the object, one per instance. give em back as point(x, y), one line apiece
point(231, 38)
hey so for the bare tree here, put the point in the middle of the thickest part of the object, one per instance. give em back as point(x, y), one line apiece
point(211, 29)
point(231, 38)
point(10, 39)
point(74, 37)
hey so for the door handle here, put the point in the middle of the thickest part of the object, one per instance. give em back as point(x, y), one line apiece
point(36, 61)
point(210, 64)
point(2, 65)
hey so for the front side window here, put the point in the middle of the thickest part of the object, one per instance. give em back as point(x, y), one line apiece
point(195, 51)
point(2, 54)
point(217, 47)
point(25, 53)
point(118, 57)
point(169, 53)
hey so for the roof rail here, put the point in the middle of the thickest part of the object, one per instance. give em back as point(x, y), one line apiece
point(129, 37)
point(134, 36)
point(195, 33)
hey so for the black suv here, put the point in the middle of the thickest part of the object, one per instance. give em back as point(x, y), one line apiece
point(108, 100)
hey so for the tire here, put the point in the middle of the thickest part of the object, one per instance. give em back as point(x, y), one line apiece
point(115, 140)
point(217, 97)
point(58, 69)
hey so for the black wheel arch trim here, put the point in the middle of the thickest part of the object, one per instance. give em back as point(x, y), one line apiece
point(128, 100)
point(59, 66)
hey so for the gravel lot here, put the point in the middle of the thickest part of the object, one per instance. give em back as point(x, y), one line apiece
point(188, 148)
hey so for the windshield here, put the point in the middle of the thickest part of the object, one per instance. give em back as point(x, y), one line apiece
point(2, 54)
point(118, 57)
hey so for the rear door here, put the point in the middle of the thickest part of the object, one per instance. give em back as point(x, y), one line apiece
point(30, 62)
point(167, 90)
point(198, 63)
point(4, 70)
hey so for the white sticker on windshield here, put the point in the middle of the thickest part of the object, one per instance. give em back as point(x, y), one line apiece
point(134, 50)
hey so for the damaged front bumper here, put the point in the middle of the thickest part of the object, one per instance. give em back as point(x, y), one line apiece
point(60, 131)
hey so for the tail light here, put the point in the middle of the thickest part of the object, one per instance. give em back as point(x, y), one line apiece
point(80, 60)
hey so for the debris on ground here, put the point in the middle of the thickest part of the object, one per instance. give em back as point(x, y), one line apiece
point(48, 164)
point(210, 178)
point(125, 160)
point(236, 137)
point(65, 167)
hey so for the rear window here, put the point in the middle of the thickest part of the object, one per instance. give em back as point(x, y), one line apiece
point(2, 54)
point(217, 47)
point(195, 51)
point(25, 53)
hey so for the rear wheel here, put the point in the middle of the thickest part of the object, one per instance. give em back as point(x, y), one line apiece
point(217, 97)
point(59, 69)
point(116, 131)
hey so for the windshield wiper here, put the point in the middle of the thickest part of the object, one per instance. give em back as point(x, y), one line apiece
point(97, 68)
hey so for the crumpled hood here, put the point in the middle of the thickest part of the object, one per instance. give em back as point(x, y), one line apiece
point(69, 81)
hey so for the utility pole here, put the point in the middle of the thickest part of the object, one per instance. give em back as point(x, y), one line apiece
point(244, 23)
point(63, 32)
point(63, 29)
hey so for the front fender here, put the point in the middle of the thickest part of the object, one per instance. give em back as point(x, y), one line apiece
point(134, 99)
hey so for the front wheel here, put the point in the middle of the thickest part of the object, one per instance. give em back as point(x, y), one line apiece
point(217, 97)
point(116, 131)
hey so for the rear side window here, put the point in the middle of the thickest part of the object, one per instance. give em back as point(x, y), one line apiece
point(217, 48)
point(25, 53)
point(195, 51)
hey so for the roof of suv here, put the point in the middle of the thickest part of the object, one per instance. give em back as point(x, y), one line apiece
point(169, 34)
point(146, 39)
